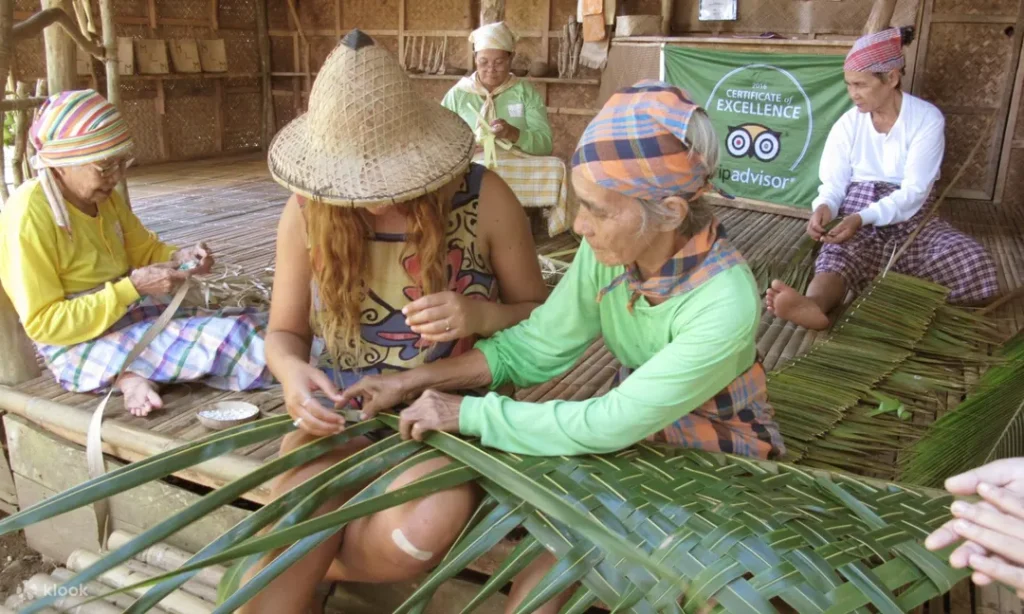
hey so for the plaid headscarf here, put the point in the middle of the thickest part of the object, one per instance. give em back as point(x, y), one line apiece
point(878, 52)
point(636, 144)
point(74, 128)
point(705, 255)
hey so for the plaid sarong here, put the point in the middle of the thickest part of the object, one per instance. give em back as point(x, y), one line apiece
point(222, 348)
point(941, 253)
point(738, 420)
point(537, 181)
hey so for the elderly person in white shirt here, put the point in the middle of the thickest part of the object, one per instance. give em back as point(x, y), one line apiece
point(880, 163)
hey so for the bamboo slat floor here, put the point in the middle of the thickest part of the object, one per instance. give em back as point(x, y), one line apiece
point(234, 205)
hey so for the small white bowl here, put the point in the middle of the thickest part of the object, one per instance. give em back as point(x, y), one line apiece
point(226, 414)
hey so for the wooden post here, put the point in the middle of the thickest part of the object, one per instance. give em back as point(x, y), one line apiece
point(267, 120)
point(666, 17)
point(214, 18)
point(19, 364)
point(491, 11)
point(6, 53)
point(218, 114)
point(20, 137)
point(881, 15)
point(401, 33)
point(60, 52)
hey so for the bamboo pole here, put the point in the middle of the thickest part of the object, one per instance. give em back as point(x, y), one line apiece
point(167, 558)
point(267, 119)
point(190, 587)
point(22, 104)
point(880, 17)
point(491, 11)
point(41, 22)
point(31, 151)
point(20, 138)
point(178, 602)
point(6, 53)
point(126, 442)
point(110, 49)
point(60, 50)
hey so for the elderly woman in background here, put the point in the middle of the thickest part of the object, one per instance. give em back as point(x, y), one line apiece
point(87, 278)
point(655, 277)
point(510, 121)
point(878, 170)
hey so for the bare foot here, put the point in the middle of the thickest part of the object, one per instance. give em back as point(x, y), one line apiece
point(140, 395)
point(790, 305)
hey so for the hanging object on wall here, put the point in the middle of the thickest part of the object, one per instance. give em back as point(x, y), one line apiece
point(213, 55)
point(637, 25)
point(152, 57)
point(570, 45)
point(185, 56)
point(717, 10)
point(125, 56)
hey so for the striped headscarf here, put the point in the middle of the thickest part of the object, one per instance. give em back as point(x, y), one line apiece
point(636, 144)
point(71, 129)
point(878, 52)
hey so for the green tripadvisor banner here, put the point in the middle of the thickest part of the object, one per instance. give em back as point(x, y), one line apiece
point(773, 113)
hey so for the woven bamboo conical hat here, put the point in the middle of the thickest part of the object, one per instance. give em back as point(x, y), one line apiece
point(368, 138)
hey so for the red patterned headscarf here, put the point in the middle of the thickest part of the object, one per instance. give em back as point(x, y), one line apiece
point(878, 52)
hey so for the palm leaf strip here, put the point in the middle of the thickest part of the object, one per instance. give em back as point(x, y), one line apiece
point(987, 425)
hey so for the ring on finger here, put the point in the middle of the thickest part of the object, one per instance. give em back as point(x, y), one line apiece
point(297, 422)
point(447, 326)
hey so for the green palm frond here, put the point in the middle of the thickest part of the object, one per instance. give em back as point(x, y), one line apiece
point(879, 331)
point(649, 529)
point(988, 425)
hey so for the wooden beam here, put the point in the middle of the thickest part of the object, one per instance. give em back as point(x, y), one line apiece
point(218, 115)
point(31, 27)
point(152, 14)
point(666, 17)
point(160, 105)
point(338, 24)
point(1013, 112)
point(214, 18)
point(881, 15)
point(401, 33)
point(60, 52)
point(492, 11)
point(21, 104)
point(267, 119)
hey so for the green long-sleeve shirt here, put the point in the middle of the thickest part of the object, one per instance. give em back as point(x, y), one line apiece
point(684, 350)
point(520, 105)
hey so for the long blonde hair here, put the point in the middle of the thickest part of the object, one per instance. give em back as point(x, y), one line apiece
point(340, 260)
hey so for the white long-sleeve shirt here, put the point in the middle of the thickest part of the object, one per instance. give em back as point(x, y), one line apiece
point(910, 156)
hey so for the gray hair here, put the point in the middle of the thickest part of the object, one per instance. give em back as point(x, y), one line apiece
point(703, 141)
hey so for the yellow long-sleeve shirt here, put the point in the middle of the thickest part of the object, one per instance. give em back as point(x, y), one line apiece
point(41, 266)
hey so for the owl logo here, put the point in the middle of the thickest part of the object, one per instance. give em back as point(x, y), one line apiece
point(755, 141)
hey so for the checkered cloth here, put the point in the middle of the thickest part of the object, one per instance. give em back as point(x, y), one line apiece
point(538, 181)
point(223, 348)
point(705, 255)
point(941, 253)
point(738, 420)
point(878, 52)
point(636, 145)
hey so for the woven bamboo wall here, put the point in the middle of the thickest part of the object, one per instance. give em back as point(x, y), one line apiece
point(419, 24)
point(179, 117)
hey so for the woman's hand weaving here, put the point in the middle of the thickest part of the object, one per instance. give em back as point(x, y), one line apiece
point(158, 280)
point(433, 411)
point(200, 254)
point(444, 316)
point(378, 393)
point(504, 130)
point(299, 381)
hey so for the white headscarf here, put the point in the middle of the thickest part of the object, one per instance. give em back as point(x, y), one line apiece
point(494, 36)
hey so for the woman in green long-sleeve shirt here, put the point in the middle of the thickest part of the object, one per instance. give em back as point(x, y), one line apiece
point(655, 277)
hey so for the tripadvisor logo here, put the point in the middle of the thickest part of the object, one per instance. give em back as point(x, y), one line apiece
point(766, 118)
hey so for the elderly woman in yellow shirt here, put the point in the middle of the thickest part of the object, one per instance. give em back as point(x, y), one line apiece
point(86, 277)
point(510, 120)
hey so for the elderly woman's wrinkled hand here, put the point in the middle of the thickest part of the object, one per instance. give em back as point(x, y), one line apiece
point(158, 280)
point(377, 392)
point(504, 130)
point(433, 411)
point(992, 530)
point(200, 254)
